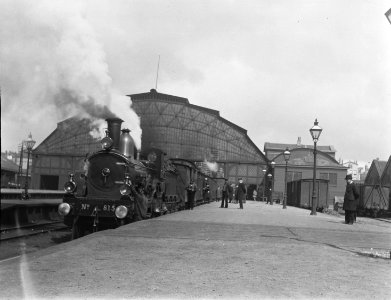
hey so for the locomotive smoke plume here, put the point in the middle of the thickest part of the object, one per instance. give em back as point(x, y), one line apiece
point(53, 68)
point(212, 166)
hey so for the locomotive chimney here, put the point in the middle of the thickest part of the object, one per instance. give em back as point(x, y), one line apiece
point(114, 128)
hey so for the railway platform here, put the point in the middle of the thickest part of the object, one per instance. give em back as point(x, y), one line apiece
point(262, 251)
point(16, 212)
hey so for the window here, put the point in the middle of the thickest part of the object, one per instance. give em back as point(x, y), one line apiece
point(331, 177)
point(292, 176)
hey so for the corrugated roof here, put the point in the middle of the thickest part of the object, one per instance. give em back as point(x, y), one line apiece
point(386, 176)
point(380, 166)
point(8, 165)
point(375, 172)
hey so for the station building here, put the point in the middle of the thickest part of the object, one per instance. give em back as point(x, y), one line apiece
point(301, 165)
point(199, 134)
point(61, 153)
point(181, 129)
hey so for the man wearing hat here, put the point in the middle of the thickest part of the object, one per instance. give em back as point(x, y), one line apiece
point(350, 200)
point(191, 190)
point(241, 193)
point(206, 191)
point(226, 191)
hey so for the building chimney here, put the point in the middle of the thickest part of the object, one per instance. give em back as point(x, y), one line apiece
point(299, 141)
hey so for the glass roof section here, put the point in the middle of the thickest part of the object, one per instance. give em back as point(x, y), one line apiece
point(71, 137)
point(184, 130)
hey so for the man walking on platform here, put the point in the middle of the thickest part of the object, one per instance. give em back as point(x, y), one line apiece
point(350, 200)
point(241, 193)
point(191, 190)
point(226, 192)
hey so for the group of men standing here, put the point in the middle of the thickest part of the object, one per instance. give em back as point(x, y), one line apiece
point(227, 193)
point(349, 205)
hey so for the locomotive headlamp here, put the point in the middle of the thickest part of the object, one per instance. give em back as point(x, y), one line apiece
point(64, 209)
point(157, 210)
point(107, 142)
point(121, 211)
point(70, 186)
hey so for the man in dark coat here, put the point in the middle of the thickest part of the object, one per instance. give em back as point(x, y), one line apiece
point(206, 191)
point(241, 193)
point(350, 200)
point(226, 191)
point(191, 190)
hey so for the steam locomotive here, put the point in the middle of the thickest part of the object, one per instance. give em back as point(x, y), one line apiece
point(120, 186)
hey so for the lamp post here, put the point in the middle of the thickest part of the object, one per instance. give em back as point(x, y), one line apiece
point(287, 155)
point(270, 176)
point(272, 164)
point(315, 133)
point(264, 184)
point(29, 143)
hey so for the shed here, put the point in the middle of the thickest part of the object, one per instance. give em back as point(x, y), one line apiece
point(299, 193)
point(386, 181)
point(374, 194)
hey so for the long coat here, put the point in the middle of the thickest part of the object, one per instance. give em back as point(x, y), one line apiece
point(241, 192)
point(351, 197)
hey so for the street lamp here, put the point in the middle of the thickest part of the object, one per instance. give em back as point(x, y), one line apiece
point(270, 176)
point(272, 164)
point(264, 184)
point(315, 133)
point(287, 155)
point(29, 143)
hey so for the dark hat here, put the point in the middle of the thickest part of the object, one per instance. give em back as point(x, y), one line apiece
point(240, 178)
point(349, 176)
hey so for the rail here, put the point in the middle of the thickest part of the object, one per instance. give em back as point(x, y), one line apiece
point(31, 229)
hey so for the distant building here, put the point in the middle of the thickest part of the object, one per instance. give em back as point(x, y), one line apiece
point(273, 149)
point(353, 169)
point(301, 166)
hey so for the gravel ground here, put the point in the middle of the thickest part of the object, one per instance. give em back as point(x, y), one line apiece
point(260, 252)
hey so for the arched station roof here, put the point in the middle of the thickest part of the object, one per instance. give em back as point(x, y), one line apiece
point(192, 132)
point(72, 137)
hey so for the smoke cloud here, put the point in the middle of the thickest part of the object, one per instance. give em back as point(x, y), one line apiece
point(53, 67)
point(212, 166)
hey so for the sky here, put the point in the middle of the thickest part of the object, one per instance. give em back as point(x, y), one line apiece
point(271, 67)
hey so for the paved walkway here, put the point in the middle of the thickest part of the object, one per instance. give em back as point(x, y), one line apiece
point(261, 251)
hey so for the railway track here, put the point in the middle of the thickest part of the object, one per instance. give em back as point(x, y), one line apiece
point(12, 233)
